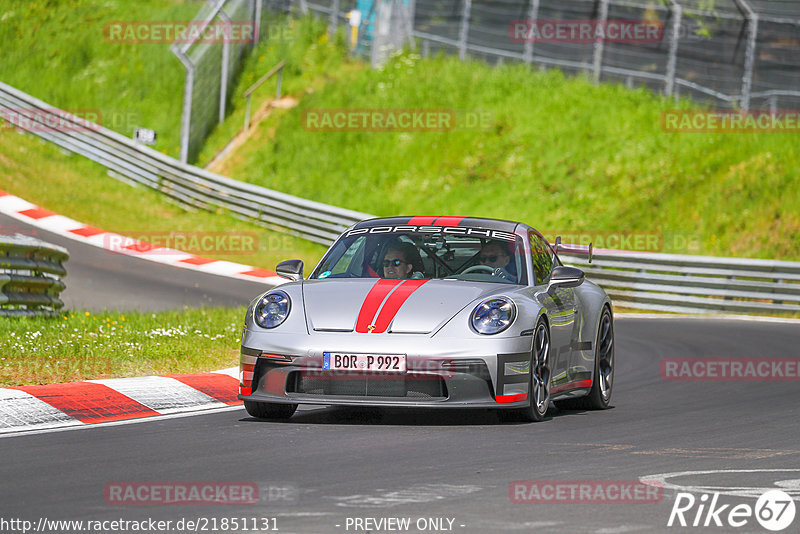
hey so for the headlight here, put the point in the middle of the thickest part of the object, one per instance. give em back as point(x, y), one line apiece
point(272, 309)
point(494, 315)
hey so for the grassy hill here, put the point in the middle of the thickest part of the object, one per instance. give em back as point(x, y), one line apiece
point(557, 152)
point(58, 52)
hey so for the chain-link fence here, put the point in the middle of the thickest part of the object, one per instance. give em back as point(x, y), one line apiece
point(212, 53)
point(731, 53)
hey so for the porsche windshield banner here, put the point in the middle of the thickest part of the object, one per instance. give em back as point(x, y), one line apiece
point(449, 230)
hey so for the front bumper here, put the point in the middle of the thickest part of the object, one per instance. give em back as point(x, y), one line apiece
point(487, 373)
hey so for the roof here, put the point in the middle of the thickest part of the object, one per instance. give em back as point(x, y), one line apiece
point(441, 220)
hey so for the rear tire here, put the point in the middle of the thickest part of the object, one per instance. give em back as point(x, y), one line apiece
point(603, 378)
point(539, 385)
point(269, 410)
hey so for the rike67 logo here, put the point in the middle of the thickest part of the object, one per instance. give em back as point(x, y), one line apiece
point(774, 510)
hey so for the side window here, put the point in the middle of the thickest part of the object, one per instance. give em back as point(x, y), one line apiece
point(344, 259)
point(542, 258)
point(352, 259)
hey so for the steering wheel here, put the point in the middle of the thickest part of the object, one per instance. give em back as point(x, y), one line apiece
point(493, 271)
point(476, 268)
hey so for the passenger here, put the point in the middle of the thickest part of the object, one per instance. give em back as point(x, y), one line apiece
point(402, 260)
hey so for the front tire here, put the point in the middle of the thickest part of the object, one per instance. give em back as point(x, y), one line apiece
point(269, 410)
point(539, 385)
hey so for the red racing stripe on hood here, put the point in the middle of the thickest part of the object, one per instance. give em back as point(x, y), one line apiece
point(373, 301)
point(394, 303)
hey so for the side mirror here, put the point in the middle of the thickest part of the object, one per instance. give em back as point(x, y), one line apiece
point(563, 276)
point(291, 269)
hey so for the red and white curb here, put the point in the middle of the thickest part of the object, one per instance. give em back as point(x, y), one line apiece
point(76, 404)
point(34, 215)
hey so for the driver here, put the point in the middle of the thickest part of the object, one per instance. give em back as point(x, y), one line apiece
point(494, 255)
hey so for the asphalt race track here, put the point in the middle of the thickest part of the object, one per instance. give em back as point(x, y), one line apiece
point(329, 464)
point(98, 279)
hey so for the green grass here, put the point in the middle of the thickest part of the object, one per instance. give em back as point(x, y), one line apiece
point(140, 84)
point(310, 58)
point(80, 189)
point(81, 70)
point(559, 153)
point(58, 52)
point(82, 346)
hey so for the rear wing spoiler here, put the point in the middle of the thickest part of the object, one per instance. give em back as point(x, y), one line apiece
point(579, 250)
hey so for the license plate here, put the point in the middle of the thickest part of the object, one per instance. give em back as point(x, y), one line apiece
point(341, 361)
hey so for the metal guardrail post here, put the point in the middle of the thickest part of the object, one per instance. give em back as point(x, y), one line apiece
point(257, 20)
point(463, 32)
point(599, 44)
point(533, 15)
point(672, 60)
point(186, 114)
point(750, 53)
point(333, 22)
point(412, 13)
point(223, 74)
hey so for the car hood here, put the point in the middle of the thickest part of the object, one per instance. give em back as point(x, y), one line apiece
point(389, 306)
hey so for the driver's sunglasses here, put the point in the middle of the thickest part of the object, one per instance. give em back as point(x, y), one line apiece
point(393, 263)
point(490, 259)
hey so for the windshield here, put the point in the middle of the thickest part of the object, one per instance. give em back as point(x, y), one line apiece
point(473, 254)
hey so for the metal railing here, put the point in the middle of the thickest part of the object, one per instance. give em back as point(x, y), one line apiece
point(187, 184)
point(211, 67)
point(693, 284)
point(667, 282)
point(732, 53)
point(249, 92)
point(30, 276)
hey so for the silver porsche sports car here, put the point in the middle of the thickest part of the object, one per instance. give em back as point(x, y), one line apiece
point(431, 312)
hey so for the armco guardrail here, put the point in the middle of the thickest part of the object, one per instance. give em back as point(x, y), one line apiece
point(667, 282)
point(187, 184)
point(30, 276)
point(694, 284)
